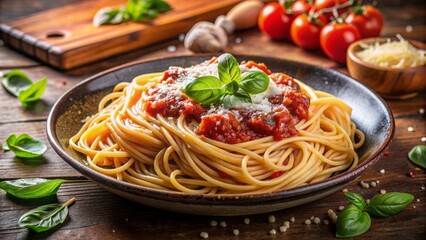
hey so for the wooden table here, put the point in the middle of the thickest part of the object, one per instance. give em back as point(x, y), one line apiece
point(98, 214)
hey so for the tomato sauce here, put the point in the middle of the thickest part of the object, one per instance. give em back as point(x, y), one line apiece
point(237, 124)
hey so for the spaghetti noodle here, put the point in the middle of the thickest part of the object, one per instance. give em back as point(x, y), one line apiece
point(167, 149)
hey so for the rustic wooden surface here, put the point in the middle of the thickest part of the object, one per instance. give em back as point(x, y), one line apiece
point(98, 214)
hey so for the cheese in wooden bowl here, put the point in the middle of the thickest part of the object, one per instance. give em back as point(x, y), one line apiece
point(394, 68)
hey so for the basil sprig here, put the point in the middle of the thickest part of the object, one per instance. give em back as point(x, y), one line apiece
point(135, 10)
point(355, 219)
point(231, 88)
point(32, 188)
point(417, 155)
point(18, 84)
point(45, 217)
point(24, 146)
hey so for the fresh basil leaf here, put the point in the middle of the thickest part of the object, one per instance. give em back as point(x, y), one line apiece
point(45, 217)
point(228, 68)
point(417, 155)
point(161, 6)
point(14, 185)
point(145, 15)
point(352, 222)
point(108, 16)
point(25, 146)
point(33, 92)
point(15, 81)
point(135, 10)
point(10, 140)
point(32, 188)
point(131, 5)
point(204, 90)
point(388, 204)
point(238, 98)
point(356, 199)
point(231, 87)
point(5, 146)
point(143, 10)
point(254, 82)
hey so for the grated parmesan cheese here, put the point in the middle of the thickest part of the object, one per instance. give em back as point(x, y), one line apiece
point(394, 54)
point(270, 92)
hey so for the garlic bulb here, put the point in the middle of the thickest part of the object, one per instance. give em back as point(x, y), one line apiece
point(205, 37)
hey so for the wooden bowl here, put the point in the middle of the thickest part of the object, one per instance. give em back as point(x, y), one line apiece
point(390, 83)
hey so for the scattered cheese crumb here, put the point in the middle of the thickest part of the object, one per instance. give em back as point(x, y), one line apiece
point(213, 223)
point(345, 190)
point(326, 222)
point(247, 220)
point(332, 215)
point(204, 235)
point(236, 232)
point(373, 184)
point(382, 171)
point(367, 201)
point(421, 110)
point(283, 229)
point(113, 230)
point(238, 40)
point(312, 218)
point(423, 139)
point(408, 28)
point(182, 37)
point(292, 219)
point(414, 206)
point(317, 220)
point(273, 232)
point(382, 191)
point(286, 224)
point(418, 199)
point(410, 129)
point(423, 187)
point(308, 221)
point(341, 208)
point(364, 184)
point(171, 48)
point(223, 224)
point(271, 219)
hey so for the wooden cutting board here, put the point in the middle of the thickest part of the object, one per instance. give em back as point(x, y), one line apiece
point(65, 37)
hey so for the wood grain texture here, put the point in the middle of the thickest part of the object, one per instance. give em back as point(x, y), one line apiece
point(98, 214)
point(79, 42)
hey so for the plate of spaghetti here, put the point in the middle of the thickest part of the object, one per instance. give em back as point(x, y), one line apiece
point(220, 135)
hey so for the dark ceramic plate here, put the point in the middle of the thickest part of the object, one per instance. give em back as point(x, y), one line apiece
point(370, 113)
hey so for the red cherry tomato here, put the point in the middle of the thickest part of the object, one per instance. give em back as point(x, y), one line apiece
point(335, 39)
point(321, 4)
point(274, 21)
point(305, 31)
point(300, 6)
point(368, 20)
